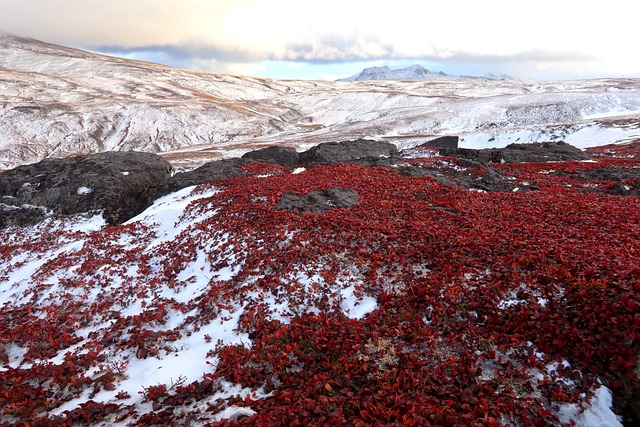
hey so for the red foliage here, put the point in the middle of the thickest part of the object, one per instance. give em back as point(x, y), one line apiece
point(471, 301)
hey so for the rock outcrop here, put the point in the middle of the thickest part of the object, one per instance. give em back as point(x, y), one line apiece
point(120, 184)
point(212, 171)
point(521, 153)
point(449, 142)
point(491, 180)
point(123, 184)
point(347, 152)
point(285, 156)
point(319, 201)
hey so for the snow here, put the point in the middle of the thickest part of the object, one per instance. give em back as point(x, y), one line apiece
point(357, 307)
point(82, 191)
point(589, 135)
point(164, 215)
point(594, 136)
point(15, 354)
point(598, 414)
point(189, 360)
point(19, 280)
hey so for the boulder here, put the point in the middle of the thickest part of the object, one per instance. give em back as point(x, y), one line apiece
point(521, 153)
point(449, 141)
point(347, 152)
point(120, 184)
point(285, 156)
point(13, 213)
point(319, 201)
point(492, 179)
point(212, 171)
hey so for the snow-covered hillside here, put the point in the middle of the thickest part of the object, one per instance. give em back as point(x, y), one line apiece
point(56, 101)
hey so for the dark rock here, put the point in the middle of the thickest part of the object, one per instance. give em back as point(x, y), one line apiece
point(319, 201)
point(212, 171)
point(449, 141)
point(626, 180)
point(285, 156)
point(347, 152)
point(444, 209)
point(12, 213)
point(120, 184)
point(521, 153)
point(609, 174)
point(491, 180)
point(389, 162)
point(620, 190)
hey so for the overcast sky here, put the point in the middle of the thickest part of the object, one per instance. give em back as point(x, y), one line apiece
point(328, 39)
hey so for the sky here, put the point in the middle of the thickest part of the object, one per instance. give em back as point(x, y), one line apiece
point(330, 39)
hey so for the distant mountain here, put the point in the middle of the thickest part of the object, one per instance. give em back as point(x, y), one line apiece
point(418, 72)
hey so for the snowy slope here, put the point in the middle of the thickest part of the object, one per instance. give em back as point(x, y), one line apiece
point(56, 101)
point(166, 330)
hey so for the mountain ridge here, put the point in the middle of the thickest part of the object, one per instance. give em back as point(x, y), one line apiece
point(417, 72)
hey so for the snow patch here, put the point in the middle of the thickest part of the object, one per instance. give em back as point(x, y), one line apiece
point(83, 191)
point(356, 307)
point(598, 414)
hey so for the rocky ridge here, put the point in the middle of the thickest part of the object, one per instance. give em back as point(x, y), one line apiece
point(123, 184)
point(120, 184)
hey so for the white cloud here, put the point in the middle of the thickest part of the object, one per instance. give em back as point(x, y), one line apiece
point(564, 36)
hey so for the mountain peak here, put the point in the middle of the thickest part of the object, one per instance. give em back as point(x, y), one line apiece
point(418, 72)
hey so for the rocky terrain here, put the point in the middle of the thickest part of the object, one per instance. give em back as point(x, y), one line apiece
point(121, 185)
point(352, 283)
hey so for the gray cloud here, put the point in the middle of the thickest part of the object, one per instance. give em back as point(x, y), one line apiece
point(181, 53)
point(538, 55)
point(348, 49)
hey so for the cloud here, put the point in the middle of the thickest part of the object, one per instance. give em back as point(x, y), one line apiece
point(181, 53)
point(547, 34)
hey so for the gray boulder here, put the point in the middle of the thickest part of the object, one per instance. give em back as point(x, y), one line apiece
point(491, 180)
point(120, 184)
point(212, 171)
point(319, 201)
point(449, 141)
point(285, 156)
point(347, 152)
point(521, 153)
point(14, 213)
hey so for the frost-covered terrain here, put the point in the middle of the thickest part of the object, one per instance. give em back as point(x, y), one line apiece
point(56, 101)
